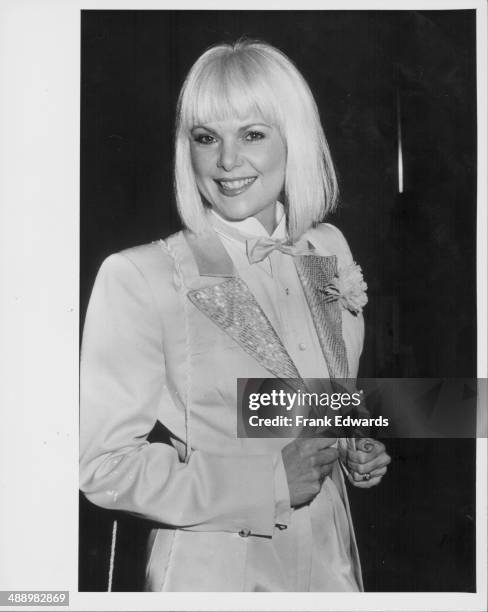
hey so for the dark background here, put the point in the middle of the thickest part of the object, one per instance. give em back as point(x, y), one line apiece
point(417, 249)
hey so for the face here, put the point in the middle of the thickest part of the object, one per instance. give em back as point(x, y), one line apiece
point(239, 167)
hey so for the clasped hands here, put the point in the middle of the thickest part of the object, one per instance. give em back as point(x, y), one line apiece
point(308, 461)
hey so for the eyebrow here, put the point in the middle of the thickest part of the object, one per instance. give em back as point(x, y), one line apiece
point(243, 128)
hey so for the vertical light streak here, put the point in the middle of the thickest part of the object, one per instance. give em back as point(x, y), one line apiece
point(112, 557)
point(399, 142)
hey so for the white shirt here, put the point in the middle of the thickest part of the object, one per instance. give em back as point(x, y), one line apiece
point(277, 288)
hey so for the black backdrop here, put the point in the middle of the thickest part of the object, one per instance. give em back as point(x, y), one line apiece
point(417, 249)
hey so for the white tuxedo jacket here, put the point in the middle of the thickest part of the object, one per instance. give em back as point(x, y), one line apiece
point(166, 336)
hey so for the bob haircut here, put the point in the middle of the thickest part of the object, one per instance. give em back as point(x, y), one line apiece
point(253, 78)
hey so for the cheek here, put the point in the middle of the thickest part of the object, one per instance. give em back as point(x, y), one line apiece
point(274, 176)
point(275, 161)
point(201, 162)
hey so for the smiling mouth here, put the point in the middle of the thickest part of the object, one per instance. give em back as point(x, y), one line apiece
point(233, 187)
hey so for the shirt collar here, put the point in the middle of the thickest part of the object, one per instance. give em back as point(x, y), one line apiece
point(250, 227)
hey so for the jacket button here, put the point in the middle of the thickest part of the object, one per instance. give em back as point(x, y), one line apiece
point(245, 533)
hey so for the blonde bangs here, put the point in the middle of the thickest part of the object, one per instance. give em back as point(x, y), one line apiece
point(229, 88)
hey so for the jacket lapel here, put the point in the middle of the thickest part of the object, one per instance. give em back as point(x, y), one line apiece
point(233, 308)
point(314, 273)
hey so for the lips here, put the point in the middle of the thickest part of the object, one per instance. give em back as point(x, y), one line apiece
point(233, 187)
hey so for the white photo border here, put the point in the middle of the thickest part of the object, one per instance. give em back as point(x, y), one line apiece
point(39, 272)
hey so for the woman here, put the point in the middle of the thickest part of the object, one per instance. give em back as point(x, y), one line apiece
point(239, 293)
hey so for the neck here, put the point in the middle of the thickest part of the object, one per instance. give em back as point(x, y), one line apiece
point(267, 218)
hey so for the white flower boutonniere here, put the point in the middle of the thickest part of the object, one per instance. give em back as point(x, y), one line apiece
point(348, 288)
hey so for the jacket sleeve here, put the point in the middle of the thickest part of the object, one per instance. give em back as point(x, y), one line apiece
point(123, 391)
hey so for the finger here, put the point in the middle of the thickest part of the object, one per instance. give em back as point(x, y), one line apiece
point(325, 471)
point(324, 457)
point(367, 445)
point(361, 456)
point(359, 477)
point(365, 476)
point(356, 477)
point(365, 484)
point(310, 446)
point(365, 468)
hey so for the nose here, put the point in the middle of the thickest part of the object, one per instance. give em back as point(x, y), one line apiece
point(229, 155)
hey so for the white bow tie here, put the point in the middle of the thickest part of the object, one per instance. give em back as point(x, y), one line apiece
point(259, 248)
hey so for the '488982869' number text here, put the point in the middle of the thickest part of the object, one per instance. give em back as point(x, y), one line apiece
point(39, 598)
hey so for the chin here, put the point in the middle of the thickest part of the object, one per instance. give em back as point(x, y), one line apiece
point(237, 213)
point(240, 216)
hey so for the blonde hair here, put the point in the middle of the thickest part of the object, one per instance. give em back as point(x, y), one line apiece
point(252, 77)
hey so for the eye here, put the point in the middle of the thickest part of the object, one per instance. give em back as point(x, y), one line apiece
point(254, 135)
point(204, 139)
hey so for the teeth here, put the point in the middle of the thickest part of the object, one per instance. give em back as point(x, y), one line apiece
point(236, 184)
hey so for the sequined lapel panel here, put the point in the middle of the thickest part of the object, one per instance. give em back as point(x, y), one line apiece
point(314, 273)
point(233, 307)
